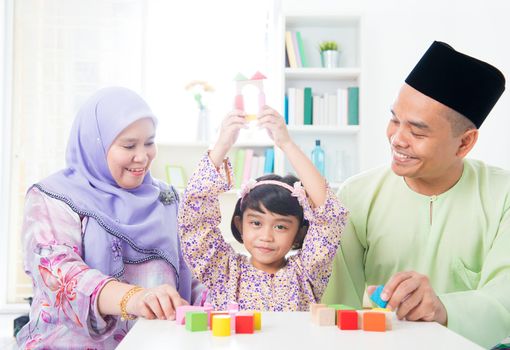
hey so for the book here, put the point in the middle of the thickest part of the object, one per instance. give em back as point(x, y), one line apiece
point(353, 105)
point(239, 167)
point(254, 167)
point(286, 109)
point(248, 155)
point(316, 109)
point(332, 109)
point(260, 168)
point(269, 163)
point(300, 105)
point(292, 106)
point(308, 107)
point(290, 50)
point(341, 94)
point(296, 49)
point(301, 50)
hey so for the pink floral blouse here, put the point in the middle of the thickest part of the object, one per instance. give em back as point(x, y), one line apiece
point(230, 276)
point(64, 312)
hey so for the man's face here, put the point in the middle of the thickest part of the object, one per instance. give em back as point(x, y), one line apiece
point(422, 144)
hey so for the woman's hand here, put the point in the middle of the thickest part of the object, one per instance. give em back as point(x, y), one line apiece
point(158, 302)
point(274, 123)
point(232, 123)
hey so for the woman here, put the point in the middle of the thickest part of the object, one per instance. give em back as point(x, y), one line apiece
point(100, 236)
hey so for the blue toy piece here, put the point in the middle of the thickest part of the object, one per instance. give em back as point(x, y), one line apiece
point(376, 297)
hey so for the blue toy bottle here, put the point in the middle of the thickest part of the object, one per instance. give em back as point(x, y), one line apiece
point(318, 157)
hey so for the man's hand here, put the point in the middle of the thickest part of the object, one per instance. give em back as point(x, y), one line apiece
point(412, 296)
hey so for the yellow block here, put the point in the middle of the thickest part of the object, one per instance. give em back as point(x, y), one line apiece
point(250, 117)
point(221, 325)
point(381, 309)
point(257, 320)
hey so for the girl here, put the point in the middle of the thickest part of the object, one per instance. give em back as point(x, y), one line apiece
point(100, 236)
point(272, 216)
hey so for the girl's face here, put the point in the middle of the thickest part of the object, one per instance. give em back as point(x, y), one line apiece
point(268, 237)
point(131, 153)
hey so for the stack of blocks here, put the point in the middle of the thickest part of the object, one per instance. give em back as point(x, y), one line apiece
point(347, 318)
point(222, 323)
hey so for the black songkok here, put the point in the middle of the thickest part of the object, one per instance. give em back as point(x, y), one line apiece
point(461, 82)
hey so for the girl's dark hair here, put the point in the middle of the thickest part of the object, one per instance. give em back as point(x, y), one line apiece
point(276, 199)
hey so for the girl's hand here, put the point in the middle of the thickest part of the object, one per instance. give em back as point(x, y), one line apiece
point(274, 123)
point(158, 302)
point(232, 123)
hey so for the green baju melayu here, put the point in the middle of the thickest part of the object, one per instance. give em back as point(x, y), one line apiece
point(460, 239)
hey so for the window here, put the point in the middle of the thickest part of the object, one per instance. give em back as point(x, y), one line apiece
point(64, 50)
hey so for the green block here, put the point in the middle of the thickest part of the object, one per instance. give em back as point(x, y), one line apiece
point(196, 321)
point(340, 307)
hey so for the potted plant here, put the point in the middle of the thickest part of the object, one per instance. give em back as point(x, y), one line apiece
point(329, 54)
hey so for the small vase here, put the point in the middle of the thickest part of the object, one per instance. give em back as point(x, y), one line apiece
point(203, 126)
point(329, 58)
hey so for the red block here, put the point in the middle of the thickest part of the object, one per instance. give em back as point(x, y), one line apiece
point(347, 319)
point(244, 324)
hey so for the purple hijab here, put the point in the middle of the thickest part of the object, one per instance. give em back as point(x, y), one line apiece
point(124, 226)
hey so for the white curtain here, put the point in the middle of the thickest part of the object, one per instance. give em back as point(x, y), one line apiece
point(66, 49)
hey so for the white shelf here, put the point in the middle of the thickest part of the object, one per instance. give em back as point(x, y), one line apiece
point(324, 129)
point(322, 73)
point(340, 142)
point(191, 144)
point(194, 145)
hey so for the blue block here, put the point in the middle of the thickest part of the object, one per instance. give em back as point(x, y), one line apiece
point(376, 297)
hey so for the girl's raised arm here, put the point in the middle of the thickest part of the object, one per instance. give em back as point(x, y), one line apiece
point(312, 180)
point(229, 132)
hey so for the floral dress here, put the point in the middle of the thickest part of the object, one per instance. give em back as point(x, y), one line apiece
point(230, 276)
point(64, 312)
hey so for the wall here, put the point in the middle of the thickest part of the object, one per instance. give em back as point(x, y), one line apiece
point(394, 36)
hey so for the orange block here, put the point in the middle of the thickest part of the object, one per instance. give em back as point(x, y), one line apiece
point(374, 321)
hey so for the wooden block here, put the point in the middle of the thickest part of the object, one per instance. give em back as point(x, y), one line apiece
point(180, 312)
point(340, 307)
point(233, 315)
point(257, 320)
point(196, 321)
point(326, 316)
point(374, 321)
point(221, 325)
point(313, 311)
point(347, 319)
point(233, 306)
point(389, 316)
point(376, 297)
point(214, 313)
point(244, 323)
point(380, 309)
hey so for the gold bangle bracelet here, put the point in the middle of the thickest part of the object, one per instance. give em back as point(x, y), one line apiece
point(124, 316)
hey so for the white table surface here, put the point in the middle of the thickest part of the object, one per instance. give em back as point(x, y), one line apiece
point(294, 330)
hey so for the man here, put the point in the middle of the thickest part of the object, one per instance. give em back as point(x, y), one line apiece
point(435, 228)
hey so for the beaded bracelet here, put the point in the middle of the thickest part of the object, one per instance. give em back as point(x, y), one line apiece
point(124, 316)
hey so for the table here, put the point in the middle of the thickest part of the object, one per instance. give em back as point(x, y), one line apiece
point(295, 331)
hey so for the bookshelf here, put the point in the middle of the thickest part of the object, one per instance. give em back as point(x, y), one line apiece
point(339, 135)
